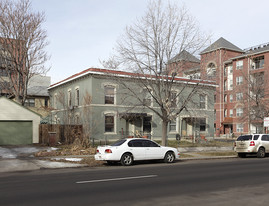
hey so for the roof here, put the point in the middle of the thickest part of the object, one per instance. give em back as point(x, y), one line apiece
point(38, 85)
point(118, 73)
point(254, 50)
point(38, 91)
point(3, 98)
point(222, 43)
point(184, 56)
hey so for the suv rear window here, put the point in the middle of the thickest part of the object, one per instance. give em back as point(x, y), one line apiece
point(244, 138)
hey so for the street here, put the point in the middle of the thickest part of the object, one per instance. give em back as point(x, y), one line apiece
point(204, 182)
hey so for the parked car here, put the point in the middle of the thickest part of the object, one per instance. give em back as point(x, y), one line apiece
point(252, 144)
point(126, 151)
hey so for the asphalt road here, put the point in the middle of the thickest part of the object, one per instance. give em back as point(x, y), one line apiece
point(209, 182)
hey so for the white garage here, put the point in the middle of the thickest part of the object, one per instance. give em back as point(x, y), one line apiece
point(18, 125)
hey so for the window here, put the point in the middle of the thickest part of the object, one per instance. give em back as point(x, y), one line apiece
point(55, 101)
point(211, 70)
point(202, 104)
point(239, 112)
point(265, 137)
point(239, 127)
point(69, 98)
point(109, 123)
point(172, 126)
point(239, 96)
point(239, 80)
point(30, 102)
point(231, 98)
point(109, 94)
point(77, 96)
point(231, 70)
point(202, 125)
point(231, 112)
point(147, 124)
point(147, 97)
point(258, 62)
point(239, 64)
point(46, 102)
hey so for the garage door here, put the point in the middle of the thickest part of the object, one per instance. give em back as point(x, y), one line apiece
point(16, 132)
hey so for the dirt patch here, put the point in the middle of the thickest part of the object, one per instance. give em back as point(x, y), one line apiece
point(79, 147)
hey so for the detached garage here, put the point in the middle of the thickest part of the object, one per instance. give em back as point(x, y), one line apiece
point(18, 125)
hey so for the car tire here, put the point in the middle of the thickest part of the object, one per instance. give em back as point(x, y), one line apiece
point(127, 159)
point(241, 155)
point(169, 157)
point(261, 153)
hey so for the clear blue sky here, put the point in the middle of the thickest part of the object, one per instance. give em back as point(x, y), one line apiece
point(82, 32)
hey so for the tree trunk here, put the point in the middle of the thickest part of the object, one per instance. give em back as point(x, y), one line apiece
point(164, 133)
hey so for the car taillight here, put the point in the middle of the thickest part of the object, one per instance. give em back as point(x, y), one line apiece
point(234, 144)
point(97, 151)
point(252, 143)
point(108, 151)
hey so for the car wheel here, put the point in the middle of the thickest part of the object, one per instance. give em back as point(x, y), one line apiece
point(261, 153)
point(169, 157)
point(241, 155)
point(126, 159)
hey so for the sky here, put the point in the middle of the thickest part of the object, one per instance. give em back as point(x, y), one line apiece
point(84, 32)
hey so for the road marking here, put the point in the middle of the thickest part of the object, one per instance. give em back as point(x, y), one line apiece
point(117, 179)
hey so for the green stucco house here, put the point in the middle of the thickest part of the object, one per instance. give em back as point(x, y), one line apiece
point(96, 99)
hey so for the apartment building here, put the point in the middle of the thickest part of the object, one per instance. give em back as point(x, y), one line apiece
point(241, 98)
point(107, 110)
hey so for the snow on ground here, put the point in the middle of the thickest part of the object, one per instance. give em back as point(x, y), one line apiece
point(49, 164)
point(67, 159)
point(7, 153)
point(14, 152)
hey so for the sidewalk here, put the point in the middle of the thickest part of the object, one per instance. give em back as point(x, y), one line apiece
point(22, 159)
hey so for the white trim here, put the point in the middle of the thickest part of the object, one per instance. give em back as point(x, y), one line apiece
point(182, 79)
point(114, 114)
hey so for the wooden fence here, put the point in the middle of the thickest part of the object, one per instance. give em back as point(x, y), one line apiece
point(65, 134)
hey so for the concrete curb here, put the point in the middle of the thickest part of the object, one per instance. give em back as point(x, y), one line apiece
point(204, 149)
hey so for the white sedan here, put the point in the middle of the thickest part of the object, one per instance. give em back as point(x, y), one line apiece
point(127, 151)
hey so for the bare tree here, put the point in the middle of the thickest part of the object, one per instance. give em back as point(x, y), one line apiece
point(146, 48)
point(254, 96)
point(22, 45)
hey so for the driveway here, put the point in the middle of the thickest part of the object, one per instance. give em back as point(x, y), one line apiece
point(21, 158)
point(14, 152)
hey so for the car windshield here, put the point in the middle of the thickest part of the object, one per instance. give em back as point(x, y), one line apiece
point(244, 138)
point(119, 142)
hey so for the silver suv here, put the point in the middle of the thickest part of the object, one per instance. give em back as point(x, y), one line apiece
point(252, 144)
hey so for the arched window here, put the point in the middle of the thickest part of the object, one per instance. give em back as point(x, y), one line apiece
point(211, 70)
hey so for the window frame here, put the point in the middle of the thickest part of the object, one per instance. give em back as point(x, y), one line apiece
point(203, 102)
point(112, 125)
point(239, 64)
point(110, 98)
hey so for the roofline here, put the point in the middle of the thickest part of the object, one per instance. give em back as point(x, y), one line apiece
point(126, 75)
point(249, 54)
point(220, 49)
point(21, 106)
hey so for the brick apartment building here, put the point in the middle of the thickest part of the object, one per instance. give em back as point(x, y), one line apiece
point(242, 95)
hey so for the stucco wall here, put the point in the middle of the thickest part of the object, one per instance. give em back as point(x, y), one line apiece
point(13, 111)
